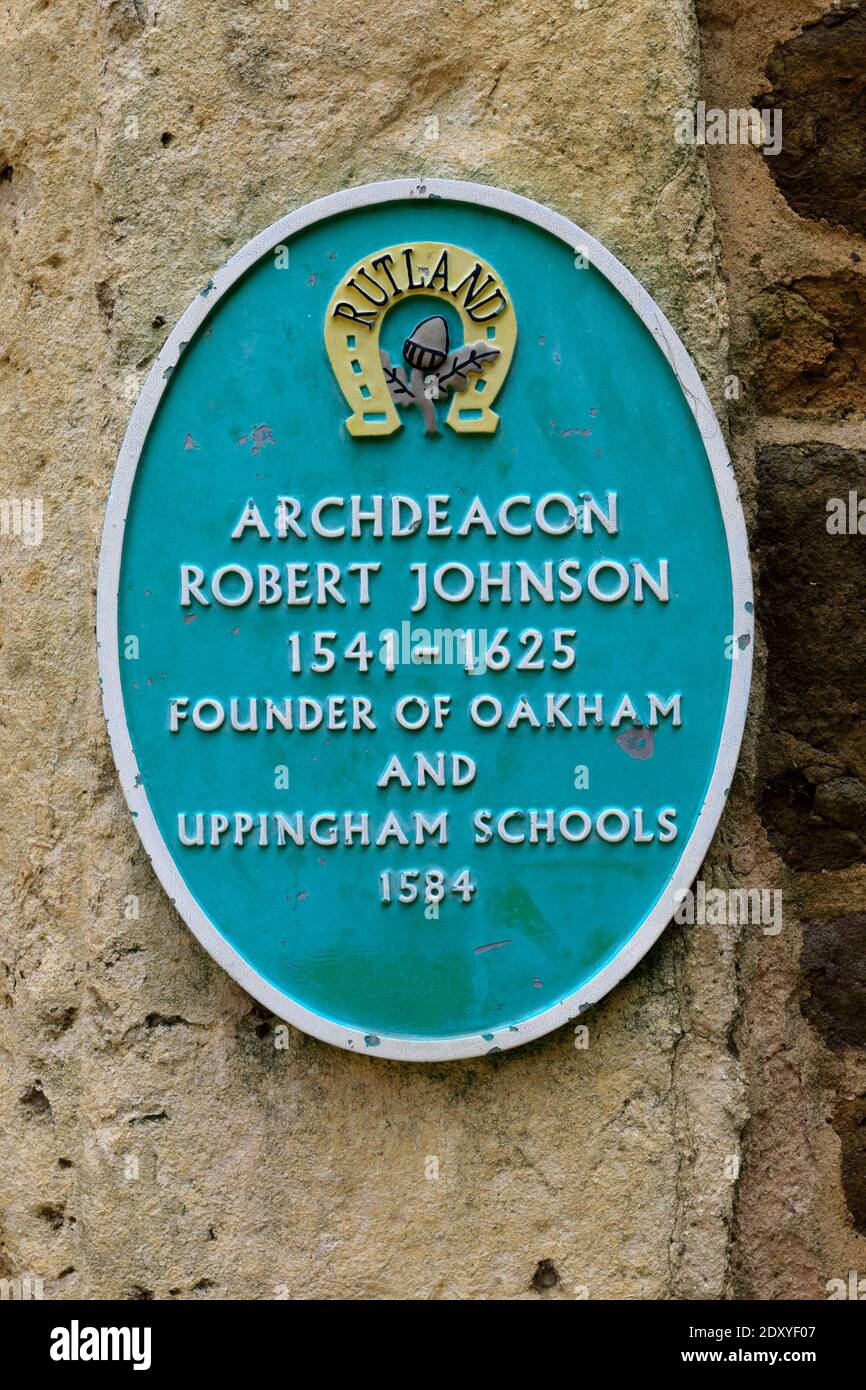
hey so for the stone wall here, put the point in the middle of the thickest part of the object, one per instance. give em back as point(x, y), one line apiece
point(156, 1143)
point(791, 229)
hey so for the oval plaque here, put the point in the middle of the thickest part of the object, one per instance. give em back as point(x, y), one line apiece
point(425, 619)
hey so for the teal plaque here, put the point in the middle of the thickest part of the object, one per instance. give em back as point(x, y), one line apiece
point(425, 619)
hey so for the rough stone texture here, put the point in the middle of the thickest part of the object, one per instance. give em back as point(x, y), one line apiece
point(813, 800)
point(811, 357)
point(158, 1144)
point(819, 80)
point(833, 961)
point(850, 1123)
point(794, 293)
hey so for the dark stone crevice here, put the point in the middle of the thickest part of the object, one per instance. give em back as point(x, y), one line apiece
point(818, 79)
point(833, 963)
point(812, 598)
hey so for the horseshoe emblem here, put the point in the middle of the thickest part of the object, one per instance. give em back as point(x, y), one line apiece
point(471, 374)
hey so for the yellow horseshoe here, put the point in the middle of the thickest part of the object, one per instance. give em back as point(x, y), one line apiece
point(362, 301)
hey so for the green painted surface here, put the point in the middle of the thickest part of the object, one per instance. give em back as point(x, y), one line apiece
point(590, 405)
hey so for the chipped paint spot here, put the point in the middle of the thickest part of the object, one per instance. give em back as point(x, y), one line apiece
point(190, 617)
point(207, 289)
point(743, 642)
point(488, 1037)
point(259, 436)
point(189, 443)
point(637, 742)
point(491, 946)
point(370, 1040)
